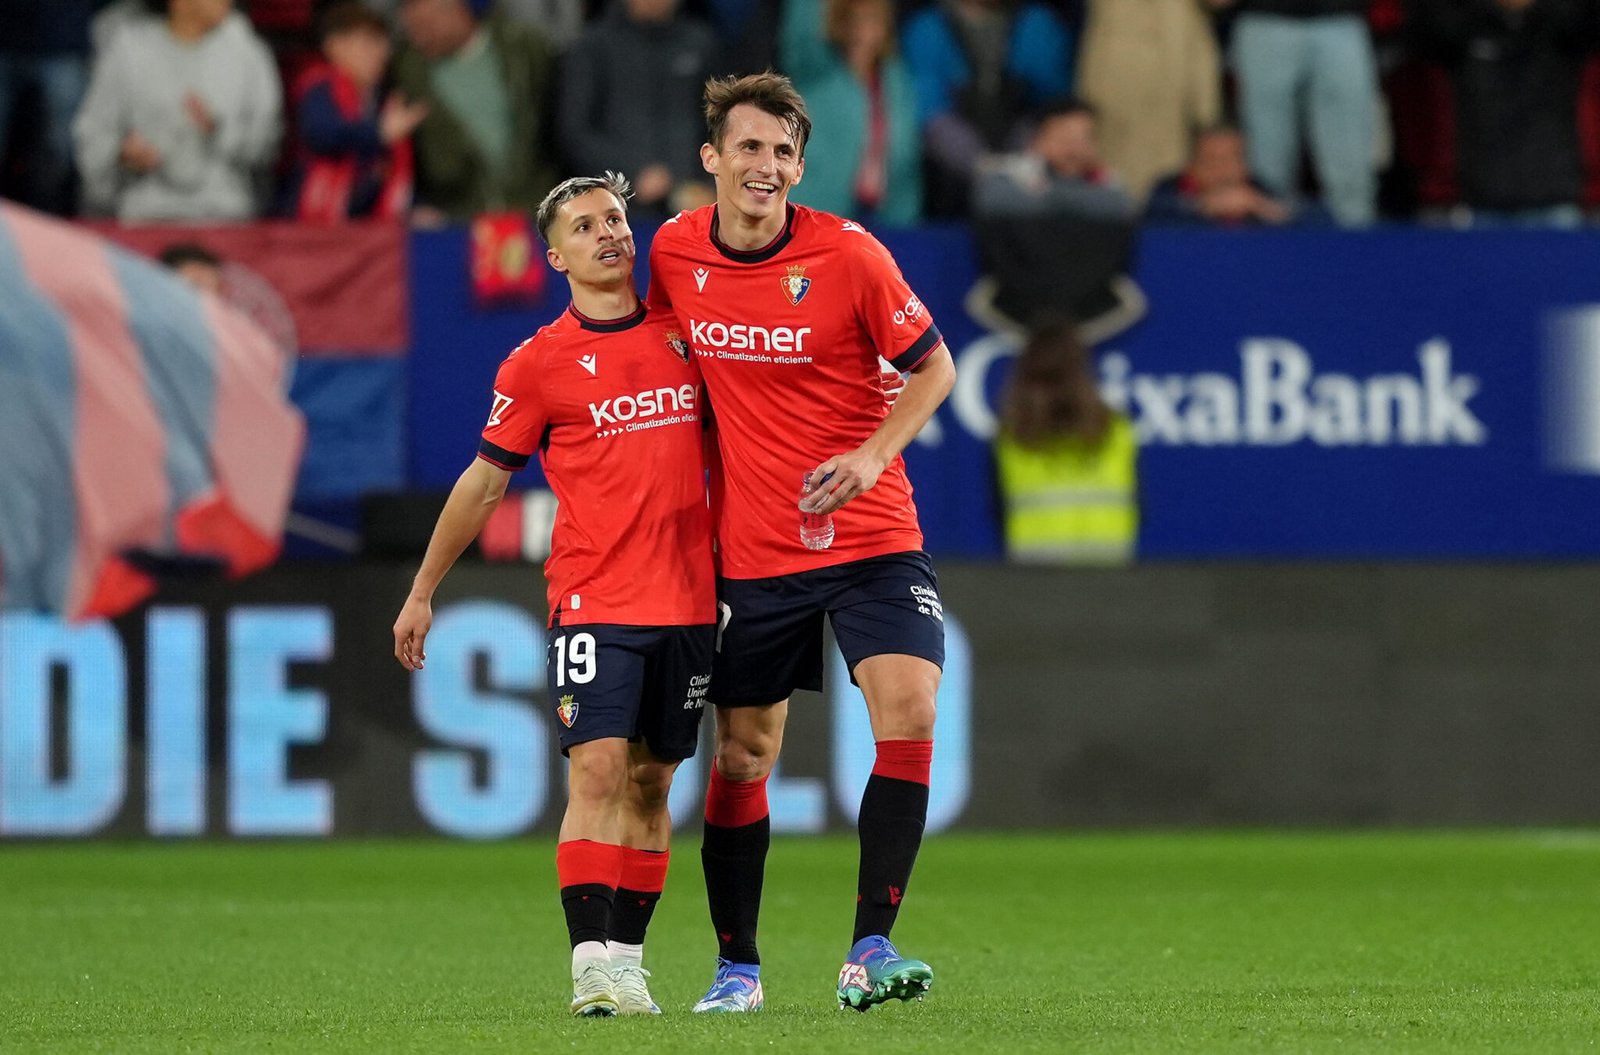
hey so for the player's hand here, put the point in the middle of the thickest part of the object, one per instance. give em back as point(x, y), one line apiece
point(844, 476)
point(411, 630)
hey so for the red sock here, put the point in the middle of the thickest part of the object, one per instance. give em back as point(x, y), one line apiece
point(904, 760)
point(894, 810)
point(644, 874)
point(738, 832)
point(644, 869)
point(734, 804)
point(583, 862)
point(588, 873)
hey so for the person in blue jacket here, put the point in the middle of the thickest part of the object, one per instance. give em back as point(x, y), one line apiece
point(842, 57)
point(980, 68)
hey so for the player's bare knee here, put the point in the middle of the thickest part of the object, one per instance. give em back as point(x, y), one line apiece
point(741, 761)
point(908, 716)
point(748, 741)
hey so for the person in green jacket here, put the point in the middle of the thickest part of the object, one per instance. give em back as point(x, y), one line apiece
point(1068, 463)
point(487, 83)
point(867, 158)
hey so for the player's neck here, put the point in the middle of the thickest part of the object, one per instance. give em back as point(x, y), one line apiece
point(745, 234)
point(605, 304)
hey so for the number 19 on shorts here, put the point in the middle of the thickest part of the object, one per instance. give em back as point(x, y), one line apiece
point(575, 656)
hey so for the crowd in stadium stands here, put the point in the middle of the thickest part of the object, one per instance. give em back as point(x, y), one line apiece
point(1228, 112)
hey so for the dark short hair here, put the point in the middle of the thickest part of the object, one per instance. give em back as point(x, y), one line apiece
point(769, 92)
point(545, 215)
point(345, 16)
point(178, 254)
point(1066, 106)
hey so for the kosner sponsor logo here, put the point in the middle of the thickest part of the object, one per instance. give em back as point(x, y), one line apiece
point(647, 404)
point(715, 336)
point(1278, 398)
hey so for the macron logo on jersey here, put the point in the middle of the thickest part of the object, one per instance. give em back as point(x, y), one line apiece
point(651, 403)
point(851, 225)
point(700, 276)
point(588, 362)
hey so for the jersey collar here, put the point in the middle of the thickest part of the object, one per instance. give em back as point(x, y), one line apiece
point(755, 256)
point(627, 322)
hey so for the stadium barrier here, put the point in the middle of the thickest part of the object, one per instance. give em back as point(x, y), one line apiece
point(1229, 694)
point(1397, 393)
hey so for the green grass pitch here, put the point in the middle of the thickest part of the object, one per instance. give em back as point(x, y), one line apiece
point(1105, 942)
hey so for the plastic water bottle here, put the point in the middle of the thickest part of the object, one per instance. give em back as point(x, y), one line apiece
point(816, 529)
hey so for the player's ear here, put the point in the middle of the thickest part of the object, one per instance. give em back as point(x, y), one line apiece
point(554, 256)
point(799, 170)
point(708, 158)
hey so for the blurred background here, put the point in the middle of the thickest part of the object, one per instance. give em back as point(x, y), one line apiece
point(1268, 492)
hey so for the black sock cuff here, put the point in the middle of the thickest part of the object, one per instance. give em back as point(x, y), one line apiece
point(744, 839)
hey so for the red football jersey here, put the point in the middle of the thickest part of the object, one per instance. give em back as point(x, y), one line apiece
point(613, 409)
point(788, 338)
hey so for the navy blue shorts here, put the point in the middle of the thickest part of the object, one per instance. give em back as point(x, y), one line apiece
point(769, 638)
point(644, 683)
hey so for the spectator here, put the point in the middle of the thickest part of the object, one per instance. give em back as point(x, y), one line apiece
point(561, 21)
point(355, 153)
point(747, 31)
point(1516, 67)
point(842, 58)
point(1068, 464)
point(182, 118)
point(1306, 70)
point(1215, 188)
point(1060, 172)
point(630, 101)
point(43, 54)
point(979, 67)
point(1055, 233)
point(1151, 69)
point(487, 85)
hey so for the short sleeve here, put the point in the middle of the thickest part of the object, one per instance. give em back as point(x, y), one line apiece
point(901, 327)
point(518, 417)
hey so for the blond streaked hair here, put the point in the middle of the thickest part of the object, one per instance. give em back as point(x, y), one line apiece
point(545, 216)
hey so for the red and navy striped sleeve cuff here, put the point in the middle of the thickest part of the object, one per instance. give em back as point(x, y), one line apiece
point(908, 360)
point(499, 456)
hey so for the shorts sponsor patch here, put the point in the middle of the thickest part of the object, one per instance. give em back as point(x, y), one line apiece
point(927, 599)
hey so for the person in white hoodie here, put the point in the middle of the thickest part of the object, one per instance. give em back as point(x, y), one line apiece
point(182, 118)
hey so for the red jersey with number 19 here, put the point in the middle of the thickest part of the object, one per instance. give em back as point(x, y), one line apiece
point(787, 338)
point(613, 410)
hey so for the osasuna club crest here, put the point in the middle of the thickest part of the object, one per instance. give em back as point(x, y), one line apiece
point(567, 711)
point(795, 284)
point(676, 342)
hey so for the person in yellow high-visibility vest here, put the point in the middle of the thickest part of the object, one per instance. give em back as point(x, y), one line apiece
point(1067, 462)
